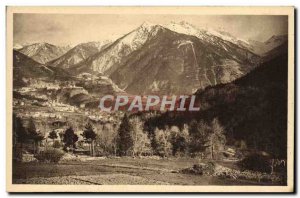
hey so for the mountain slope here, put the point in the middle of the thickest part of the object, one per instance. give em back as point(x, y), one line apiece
point(262, 48)
point(252, 109)
point(25, 67)
point(280, 49)
point(77, 54)
point(275, 41)
point(28, 66)
point(171, 62)
point(43, 52)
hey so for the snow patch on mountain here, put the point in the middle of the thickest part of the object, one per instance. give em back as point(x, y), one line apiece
point(124, 46)
point(204, 33)
point(18, 46)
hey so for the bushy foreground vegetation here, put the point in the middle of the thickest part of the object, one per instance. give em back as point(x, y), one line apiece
point(50, 155)
point(219, 171)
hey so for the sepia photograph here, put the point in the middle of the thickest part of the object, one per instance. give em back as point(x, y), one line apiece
point(150, 99)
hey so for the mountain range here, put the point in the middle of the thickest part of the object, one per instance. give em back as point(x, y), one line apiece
point(168, 58)
point(177, 58)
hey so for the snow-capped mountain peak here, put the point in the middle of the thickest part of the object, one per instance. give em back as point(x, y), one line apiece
point(43, 52)
point(184, 27)
point(139, 36)
point(227, 36)
point(122, 47)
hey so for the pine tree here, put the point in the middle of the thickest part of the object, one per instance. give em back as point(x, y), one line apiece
point(125, 139)
point(19, 132)
point(90, 136)
point(179, 139)
point(34, 135)
point(19, 136)
point(53, 135)
point(70, 138)
point(198, 136)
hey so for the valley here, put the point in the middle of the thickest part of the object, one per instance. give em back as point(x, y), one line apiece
point(239, 85)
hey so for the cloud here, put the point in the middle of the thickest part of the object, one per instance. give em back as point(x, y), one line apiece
point(77, 28)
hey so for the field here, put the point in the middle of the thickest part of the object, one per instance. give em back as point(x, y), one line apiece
point(109, 171)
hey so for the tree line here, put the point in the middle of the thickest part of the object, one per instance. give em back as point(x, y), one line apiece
point(129, 138)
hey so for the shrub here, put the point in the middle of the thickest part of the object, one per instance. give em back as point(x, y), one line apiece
point(210, 168)
point(56, 144)
point(197, 169)
point(201, 169)
point(50, 155)
point(255, 162)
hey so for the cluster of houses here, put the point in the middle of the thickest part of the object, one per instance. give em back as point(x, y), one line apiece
point(43, 84)
point(57, 106)
point(29, 114)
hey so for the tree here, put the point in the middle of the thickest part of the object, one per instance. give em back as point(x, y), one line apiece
point(106, 139)
point(125, 139)
point(53, 135)
point(179, 139)
point(163, 144)
point(19, 136)
point(216, 138)
point(34, 135)
point(19, 131)
point(141, 142)
point(70, 138)
point(198, 136)
point(89, 135)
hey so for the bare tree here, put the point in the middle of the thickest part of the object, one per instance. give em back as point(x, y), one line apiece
point(216, 138)
point(162, 139)
point(141, 142)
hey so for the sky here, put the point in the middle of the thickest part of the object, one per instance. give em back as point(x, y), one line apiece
point(71, 29)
